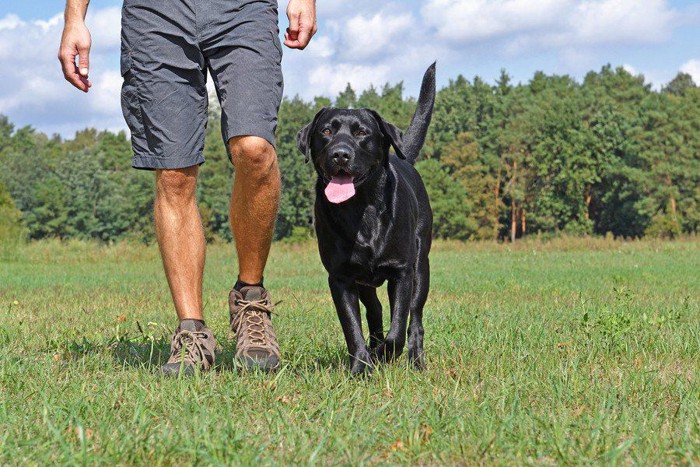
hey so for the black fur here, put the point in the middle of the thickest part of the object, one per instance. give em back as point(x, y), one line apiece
point(383, 233)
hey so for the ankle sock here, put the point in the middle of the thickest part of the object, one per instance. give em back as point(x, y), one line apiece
point(198, 323)
point(240, 284)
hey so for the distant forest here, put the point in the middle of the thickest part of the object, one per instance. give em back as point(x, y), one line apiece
point(609, 155)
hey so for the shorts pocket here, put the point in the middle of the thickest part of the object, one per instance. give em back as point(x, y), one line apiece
point(278, 44)
point(131, 102)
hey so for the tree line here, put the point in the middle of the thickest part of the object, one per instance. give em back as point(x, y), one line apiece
point(608, 155)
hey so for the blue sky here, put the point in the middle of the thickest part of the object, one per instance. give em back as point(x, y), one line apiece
point(368, 42)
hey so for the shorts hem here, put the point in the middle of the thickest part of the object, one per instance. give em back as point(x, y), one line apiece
point(266, 135)
point(165, 163)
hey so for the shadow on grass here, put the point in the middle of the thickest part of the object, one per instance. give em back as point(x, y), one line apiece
point(133, 352)
point(146, 355)
point(147, 352)
point(294, 360)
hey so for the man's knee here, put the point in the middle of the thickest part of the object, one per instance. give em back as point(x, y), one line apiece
point(177, 185)
point(253, 156)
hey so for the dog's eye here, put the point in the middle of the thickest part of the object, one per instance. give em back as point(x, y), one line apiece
point(326, 131)
point(360, 133)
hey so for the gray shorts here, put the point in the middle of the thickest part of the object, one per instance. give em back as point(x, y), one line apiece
point(167, 46)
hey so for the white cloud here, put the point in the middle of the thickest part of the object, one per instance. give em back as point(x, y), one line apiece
point(692, 67)
point(33, 89)
point(105, 27)
point(630, 69)
point(365, 38)
point(329, 80)
point(468, 21)
point(621, 21)
point(550, 23)
point(327, 9)
point(321, 47)
point(380, 45)
point(50, 23)
point(10, 22)
point(105, 96)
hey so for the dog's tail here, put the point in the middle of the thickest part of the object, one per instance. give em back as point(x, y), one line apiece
point(414, 138)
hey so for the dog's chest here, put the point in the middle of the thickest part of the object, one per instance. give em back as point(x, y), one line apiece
point(371, 266)
point(372, 254)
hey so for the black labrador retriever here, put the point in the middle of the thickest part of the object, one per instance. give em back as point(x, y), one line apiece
point(374, 223)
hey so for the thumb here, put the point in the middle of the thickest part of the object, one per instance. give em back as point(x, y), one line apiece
point(84, 61)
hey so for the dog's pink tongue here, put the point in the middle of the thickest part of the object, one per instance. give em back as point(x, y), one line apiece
point(340, 189)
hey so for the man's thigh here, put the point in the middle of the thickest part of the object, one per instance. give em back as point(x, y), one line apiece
point(164, 96)
point(243, 50)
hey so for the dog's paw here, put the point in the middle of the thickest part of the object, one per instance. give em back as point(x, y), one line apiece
point(375, 342)
point(415, 357)
point(361, 365)
point(360, 368)
point(389, 350)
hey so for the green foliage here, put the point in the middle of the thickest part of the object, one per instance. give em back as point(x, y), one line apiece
point(215, 179)
point(297, 177)
point(547, 157)
point(680, 84)
point(448, 198)
point(12, 230)
point(465, 161)
point(346, 99)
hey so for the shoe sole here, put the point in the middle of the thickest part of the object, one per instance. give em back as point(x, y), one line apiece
point(175, 371)
point(267, 365)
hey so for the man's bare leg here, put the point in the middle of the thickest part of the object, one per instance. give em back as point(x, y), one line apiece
point(254, 203)
point(181, 238)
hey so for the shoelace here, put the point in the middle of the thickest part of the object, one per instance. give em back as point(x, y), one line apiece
point(252, 314)
point(193, 348)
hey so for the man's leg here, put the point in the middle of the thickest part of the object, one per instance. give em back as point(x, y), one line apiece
point(244, 55)
point(165, 107)
point(254, 203)
point(181, 241)
point(181, 238)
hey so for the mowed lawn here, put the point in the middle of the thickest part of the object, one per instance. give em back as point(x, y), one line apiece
point(574, 351)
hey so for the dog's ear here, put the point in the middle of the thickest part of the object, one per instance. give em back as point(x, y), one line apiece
point(392, 134)
point(304, 136)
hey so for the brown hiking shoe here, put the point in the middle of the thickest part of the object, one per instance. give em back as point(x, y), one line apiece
point(192, 347)
point(256, 343)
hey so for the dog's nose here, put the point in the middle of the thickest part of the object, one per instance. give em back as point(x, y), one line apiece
point(341, 156)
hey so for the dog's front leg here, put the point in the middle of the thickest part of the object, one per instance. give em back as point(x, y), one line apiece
point(400, 293)
point(345, 297)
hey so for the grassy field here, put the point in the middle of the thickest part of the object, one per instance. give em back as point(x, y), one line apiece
point(565, 352)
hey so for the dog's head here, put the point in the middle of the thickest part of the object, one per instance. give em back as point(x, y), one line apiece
point(346, 146)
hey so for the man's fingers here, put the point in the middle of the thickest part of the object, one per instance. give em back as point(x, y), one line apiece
point(64, 57)
point(67, 60)
point(294, 24)
point(304, 37)
point(84, 54)
point(79, 82)
point(291, 39)
point(302, 26)
point(70, 71)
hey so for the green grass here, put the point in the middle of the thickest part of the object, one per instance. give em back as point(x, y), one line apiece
point(565, 352)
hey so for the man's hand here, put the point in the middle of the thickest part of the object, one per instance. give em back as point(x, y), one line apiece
point(302, 23)
point(76, 42)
